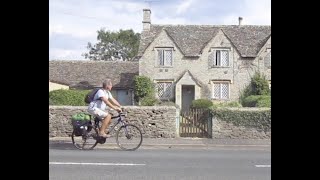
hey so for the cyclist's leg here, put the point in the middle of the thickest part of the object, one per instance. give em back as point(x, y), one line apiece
point(105, 118)
point(112, 113)
point(105, 124)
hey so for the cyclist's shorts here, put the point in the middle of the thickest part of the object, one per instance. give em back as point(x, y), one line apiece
point(98, 113)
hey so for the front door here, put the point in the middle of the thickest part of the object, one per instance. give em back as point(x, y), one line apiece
point(187, 97)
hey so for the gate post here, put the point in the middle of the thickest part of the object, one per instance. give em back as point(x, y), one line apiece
point(210, 116)
point(177, 122)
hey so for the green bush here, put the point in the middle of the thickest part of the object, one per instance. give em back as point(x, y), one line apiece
point(201, 103)
point(260, 119)
point(257, 101)
point(258, 86)
point(264, 101)
point(143, 87)
point(226, 104)
point(148, 100)
point(245, 93)
point(231, 104)
point(250, 101)
point(67, 97)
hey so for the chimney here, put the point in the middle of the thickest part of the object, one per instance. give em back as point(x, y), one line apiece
point(146, 19)
point(240, 21)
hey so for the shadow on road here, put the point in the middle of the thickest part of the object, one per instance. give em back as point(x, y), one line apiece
point(69, 146)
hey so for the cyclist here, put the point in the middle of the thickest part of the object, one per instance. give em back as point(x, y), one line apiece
point(102, 105)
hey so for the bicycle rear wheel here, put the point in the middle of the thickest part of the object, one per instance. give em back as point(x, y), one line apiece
point(85, 142)
point(129, 137)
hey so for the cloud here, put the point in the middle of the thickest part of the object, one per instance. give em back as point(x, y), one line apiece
point(168, 20)
point(184, 6)
point(73, 23)
point(258, 12)
point(55, 29)
point(253, 13)
point(57, 54)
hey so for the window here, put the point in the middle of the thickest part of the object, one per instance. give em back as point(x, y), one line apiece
point(219, 58)
point(220, 90)
point(164, 90)
point(267, 60)
point(164, 57)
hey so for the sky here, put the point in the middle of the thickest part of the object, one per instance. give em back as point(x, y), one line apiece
point(74, 23)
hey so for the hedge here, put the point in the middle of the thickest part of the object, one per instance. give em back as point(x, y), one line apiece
point(226, 104)
point(67, 97)
point(201, 103)
point(259, 119)
point(257, 101)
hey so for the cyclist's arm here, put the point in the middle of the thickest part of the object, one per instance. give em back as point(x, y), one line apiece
point(115, 102)
point(104, 99)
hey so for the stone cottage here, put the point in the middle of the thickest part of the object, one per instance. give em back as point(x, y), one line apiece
point(189, 62)
point(91, 74)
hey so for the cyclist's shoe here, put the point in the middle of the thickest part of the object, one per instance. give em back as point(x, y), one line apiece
point(105, 135)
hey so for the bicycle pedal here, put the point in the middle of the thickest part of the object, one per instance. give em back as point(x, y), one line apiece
point(102, 140)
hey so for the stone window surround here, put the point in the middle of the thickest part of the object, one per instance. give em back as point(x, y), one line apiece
point(215, 81)
point(164, 81)
point(155, 49)
point(220, 48)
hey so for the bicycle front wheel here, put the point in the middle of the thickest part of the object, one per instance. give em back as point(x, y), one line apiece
point(129, 137)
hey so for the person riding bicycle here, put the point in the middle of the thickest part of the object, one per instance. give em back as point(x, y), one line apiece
point(102, 106)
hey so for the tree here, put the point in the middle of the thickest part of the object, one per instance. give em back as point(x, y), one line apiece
point(144, 91)
point(120, 45)
point(259, 84)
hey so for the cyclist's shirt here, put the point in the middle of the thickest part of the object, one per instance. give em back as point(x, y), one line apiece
point(97, 102)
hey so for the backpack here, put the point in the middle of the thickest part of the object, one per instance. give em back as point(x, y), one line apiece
point(89, 97)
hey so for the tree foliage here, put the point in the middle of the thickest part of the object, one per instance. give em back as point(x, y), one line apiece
point(111, 46)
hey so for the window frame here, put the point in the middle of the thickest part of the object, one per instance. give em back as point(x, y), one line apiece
point(220, 96)
point(165, 88)
point(213, 62)
point(163, 49)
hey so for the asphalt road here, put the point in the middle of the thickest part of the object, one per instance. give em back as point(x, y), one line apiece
point(230, 163)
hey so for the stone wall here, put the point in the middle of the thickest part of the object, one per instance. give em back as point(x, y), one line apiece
point(154, 122)
point(251, 123)
point(160, 122)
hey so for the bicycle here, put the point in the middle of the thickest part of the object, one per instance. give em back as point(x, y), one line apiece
point(122, 133)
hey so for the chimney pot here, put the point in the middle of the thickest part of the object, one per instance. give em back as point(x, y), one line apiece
point(240, 21)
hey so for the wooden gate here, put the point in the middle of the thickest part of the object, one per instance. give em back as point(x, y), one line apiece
point(196, 123)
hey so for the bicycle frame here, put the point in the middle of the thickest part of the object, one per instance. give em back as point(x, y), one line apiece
point(120, 120)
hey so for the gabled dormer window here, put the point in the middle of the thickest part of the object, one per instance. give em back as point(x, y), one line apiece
point(164, 57)
point(219, 58)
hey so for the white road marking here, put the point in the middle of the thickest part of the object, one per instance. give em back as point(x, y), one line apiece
point(96, 164)
point(268, 166)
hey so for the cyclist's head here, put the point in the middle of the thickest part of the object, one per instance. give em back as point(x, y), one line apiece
point(107, 84)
